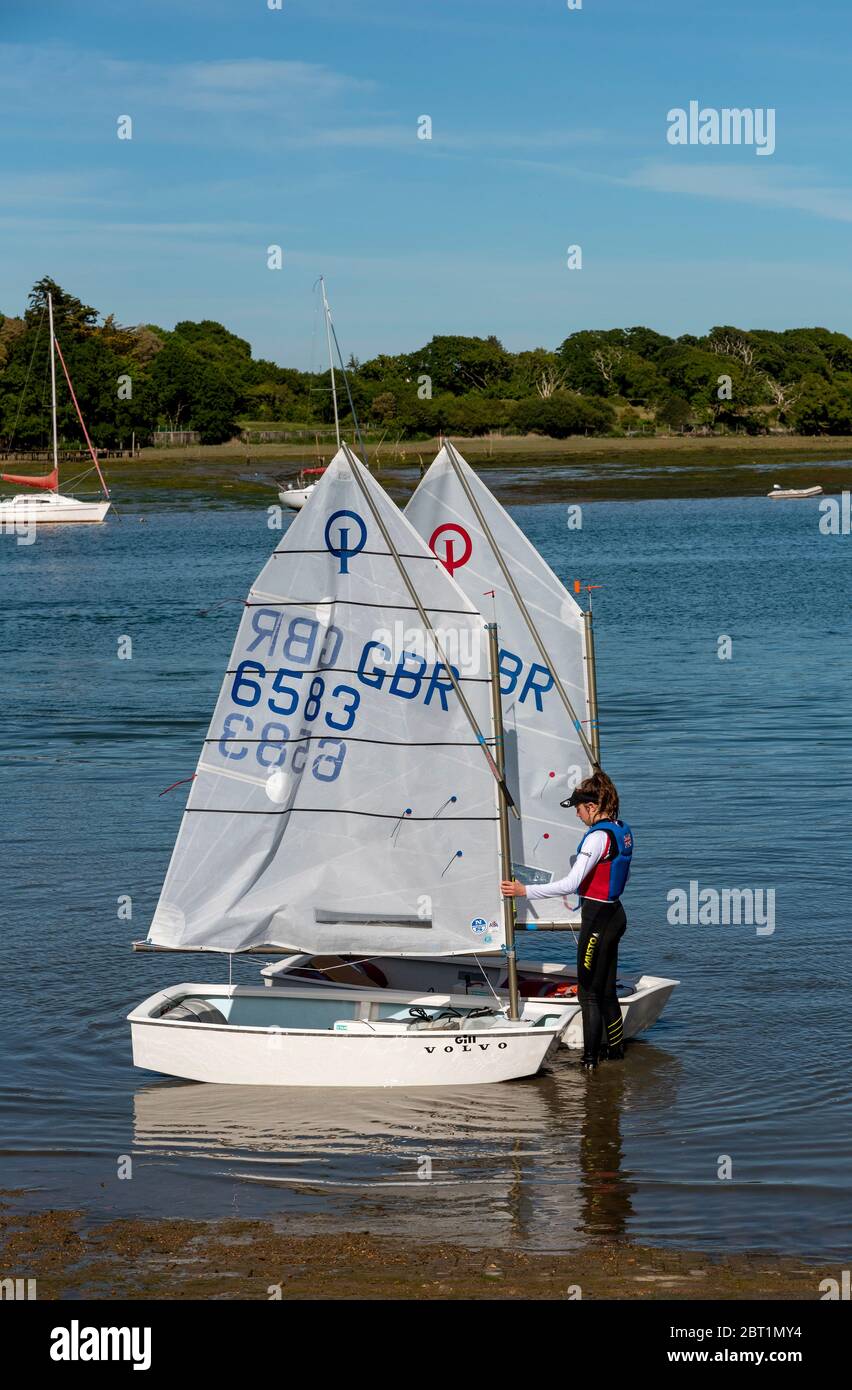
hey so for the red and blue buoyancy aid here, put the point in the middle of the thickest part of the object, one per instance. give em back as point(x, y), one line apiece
point(607, 880)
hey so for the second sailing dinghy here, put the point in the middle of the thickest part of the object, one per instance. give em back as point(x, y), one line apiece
point(346, 801)
point(547, 681)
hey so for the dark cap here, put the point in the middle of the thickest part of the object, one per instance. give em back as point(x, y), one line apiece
point(579, 798)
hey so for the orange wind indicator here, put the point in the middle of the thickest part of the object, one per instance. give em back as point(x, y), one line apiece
point(579, 586)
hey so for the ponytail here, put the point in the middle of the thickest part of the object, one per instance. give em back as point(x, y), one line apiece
point(600, 789)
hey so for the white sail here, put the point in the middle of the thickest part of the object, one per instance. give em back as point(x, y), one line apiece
point(342, 802)
point(545, 757)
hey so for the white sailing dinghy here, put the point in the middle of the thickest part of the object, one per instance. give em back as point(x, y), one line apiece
point(549, 701)
point(346, 801)
point(47, 505)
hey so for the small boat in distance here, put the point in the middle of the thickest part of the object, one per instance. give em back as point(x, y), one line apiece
point(296, 494)
point(787, 493)
point(47, 503)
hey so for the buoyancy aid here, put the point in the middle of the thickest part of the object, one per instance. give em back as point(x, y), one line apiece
point(607, 880)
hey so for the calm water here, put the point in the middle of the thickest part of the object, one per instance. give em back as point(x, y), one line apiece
point(734, 773)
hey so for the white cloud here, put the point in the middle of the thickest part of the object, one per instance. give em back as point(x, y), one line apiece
point(779, 186)
point(35, 78)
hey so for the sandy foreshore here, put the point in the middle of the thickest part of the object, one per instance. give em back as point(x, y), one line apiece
point(71, 1256)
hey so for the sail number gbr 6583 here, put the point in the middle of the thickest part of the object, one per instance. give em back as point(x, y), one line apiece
point(330, 706)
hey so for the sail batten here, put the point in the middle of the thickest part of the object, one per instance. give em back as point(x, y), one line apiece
point(298, 832)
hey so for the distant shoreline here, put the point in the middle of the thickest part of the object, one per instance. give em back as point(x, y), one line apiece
point(520, 469)
point(497, 448)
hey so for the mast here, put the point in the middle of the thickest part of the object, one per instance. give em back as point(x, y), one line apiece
point(53, 390)
point(327, 312)
point(588, 748)
point(592, 681)
point(505, 842)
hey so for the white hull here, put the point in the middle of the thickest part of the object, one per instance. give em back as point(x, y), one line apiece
point(296, 497)
point(350, 1044)
point(642, 998)
point(787, 494)
point(49, 509)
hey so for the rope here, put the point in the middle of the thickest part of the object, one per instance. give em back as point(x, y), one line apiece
point(489, 984)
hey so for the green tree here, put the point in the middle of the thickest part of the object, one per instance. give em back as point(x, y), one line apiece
point(824, 407)
point(192, 393)
point(563, 414)
point(459, 364)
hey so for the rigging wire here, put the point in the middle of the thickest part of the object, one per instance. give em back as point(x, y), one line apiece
point(361, 443)
point(27, 380)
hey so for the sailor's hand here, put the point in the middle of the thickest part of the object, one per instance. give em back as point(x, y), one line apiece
point(513, 889)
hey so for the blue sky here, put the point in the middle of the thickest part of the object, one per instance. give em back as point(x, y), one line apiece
point(298, 127)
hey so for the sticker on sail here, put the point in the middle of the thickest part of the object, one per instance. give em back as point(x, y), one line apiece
point(479, 925)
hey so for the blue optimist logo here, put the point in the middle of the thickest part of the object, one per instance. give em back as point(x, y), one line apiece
point(344, 550)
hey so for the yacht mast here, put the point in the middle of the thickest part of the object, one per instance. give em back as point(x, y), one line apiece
point(53, 390)
point(327, 312)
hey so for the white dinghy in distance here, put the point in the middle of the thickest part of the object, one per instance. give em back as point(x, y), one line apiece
point(46, 505)
point(791, 494)
point(549, 700)
point(346, 801)
point(295, 495)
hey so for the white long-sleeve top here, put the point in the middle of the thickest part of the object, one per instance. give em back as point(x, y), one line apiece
point(593, 851)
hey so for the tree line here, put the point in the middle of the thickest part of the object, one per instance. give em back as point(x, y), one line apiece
point(620, 381)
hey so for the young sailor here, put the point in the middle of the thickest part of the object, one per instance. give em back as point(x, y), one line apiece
point(598, 874)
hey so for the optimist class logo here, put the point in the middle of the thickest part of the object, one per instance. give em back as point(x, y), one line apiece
point(343, 551)
point(448, 559)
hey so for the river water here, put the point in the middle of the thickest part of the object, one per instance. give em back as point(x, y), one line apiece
point(727, 1127)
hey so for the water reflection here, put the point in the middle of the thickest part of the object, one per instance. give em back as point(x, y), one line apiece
point(534, 1163)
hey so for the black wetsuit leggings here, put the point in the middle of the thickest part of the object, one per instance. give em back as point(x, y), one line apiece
point(603, 926)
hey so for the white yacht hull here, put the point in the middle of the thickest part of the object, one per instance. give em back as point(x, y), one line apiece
point(49, 509)
point(642, 998)
point(349, 1048)
point(296, 497)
